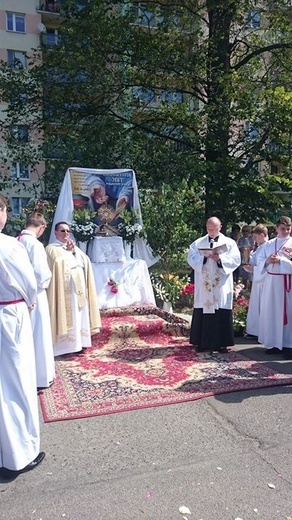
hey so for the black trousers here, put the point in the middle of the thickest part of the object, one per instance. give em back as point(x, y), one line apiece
point(212, 331)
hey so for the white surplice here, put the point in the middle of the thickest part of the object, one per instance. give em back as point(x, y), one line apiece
point(40, 315)
point(19, 419)
point(276, 302)
point(253, 315)
point(213, 284)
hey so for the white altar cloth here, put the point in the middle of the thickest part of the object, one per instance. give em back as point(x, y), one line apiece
point(106, 249)
point(133, 284)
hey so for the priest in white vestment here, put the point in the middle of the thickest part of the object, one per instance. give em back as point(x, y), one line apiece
point(19, 418)
point(72, 295)
point(212, 325)
point(260, 236)
point(40, 315)
point(275, 326)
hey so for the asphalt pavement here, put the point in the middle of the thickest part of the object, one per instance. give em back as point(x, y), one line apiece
point(227, 457)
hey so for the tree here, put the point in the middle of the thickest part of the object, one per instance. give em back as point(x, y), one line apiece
point(188, 93)
point(229, 67)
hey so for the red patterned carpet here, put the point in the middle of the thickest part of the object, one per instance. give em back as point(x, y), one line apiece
point(142, 359)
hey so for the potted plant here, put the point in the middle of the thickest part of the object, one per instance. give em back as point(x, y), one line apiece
point(130, 229)
point(168, 288)
point(240, 308)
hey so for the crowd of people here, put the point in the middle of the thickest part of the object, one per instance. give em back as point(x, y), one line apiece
point(263, 265)
point(48, 307)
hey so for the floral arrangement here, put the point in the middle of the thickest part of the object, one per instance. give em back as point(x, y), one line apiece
point(82, 226)
point(240, 306)
point(130, 228)
point(168, 287)
point(113, 285)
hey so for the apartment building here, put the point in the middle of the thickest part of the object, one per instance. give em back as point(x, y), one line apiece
point(24, 25)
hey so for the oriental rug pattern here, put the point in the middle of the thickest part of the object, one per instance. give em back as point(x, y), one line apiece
point(142, 358)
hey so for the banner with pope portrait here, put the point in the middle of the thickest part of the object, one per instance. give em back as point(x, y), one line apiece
point(107, 193)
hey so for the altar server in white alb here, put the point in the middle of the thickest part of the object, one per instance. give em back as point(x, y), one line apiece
point(40, 315)
point(212, 327)
point(260, 236)
point(275, 325)
point(19, 419)
point(72, 296)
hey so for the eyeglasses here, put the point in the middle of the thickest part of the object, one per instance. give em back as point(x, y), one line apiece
point(64, 231)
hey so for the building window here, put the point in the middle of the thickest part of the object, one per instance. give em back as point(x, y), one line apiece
point(168, 96)
point(144, 95)
point(20, 133)
point(51, 37)
point(253, 20)
point(15, 22)
point(19, 171)
point(143, 15)
point(18, 204)
point(16, 60)
point(251, 131)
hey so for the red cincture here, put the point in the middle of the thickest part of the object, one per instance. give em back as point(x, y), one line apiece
point(12, 301)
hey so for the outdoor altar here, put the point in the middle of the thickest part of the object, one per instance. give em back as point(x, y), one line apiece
point(100, 205)
point(120, 281)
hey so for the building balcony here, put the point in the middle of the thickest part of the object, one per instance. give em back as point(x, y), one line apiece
point(50, 6)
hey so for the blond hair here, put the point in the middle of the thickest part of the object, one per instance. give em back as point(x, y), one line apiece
point(36, 219)
point(260, 228)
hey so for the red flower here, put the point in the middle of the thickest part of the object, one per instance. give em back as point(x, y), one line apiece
point(113, 285)
point(188, 289)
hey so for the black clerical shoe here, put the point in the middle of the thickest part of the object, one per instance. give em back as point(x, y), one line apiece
point(272, 351)
point(250, 336)
point(10, 474)
point(202, 349)
point(222, 350)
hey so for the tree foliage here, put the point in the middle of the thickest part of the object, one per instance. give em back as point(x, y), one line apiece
point(190, 94)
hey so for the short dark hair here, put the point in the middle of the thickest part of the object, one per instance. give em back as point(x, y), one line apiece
point(59, 224)
point(235, 227)
point(286, 221)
